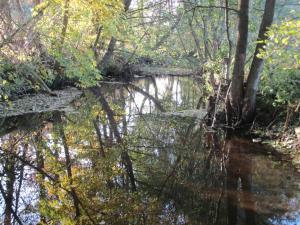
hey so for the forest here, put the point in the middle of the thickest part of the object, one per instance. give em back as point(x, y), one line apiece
point(146, 112)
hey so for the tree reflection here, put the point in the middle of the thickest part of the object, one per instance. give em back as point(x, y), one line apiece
point(239, 183)
point(114, 162)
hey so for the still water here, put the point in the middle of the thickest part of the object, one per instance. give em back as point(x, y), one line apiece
point(139, 154)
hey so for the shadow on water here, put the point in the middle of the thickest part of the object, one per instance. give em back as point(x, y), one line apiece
point(139, 154)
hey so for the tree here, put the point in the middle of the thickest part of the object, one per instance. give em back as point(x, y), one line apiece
point(242, 105)
point(281, 76)
point(257, 63)
point(237, 83)
point(103, 64)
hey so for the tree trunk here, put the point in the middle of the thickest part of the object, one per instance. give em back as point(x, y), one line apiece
point(228, 60)
point(236, 91)
point(102, 65)
point(107, 56)
point(68, 167)
point(257, 63)
point(21, 179)
point(6, 200)
point(10, 172)
point(98, 132)
point(65, 23)
point(96, 43)
point(207, 54)
point(40, 163)
point(196, 39)
point(114, 128)
point(126, 5)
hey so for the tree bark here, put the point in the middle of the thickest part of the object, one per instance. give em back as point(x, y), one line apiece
point(228, 61)
point(10, 172)
point(96, 42)
point(196, 39)
point(207, 54)
point(102, 65)
point(21, 178)
point(257, 63)
point(236, 91)
point(65, 23)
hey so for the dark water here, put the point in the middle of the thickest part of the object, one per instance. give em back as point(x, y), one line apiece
point(140, 155)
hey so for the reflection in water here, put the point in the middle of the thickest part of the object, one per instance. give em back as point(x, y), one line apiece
point(121, 160)
point(239, 169)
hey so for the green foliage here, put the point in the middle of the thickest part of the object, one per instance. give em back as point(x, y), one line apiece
point(48, 53)
point(282, 86)
point(283, 47)
point(75, 54)
point(23, 77)
point(281, 77)
point(80, 66)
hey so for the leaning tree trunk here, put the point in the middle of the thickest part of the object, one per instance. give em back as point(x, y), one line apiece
point(124, 155)
point(103, 64)
point(68, 165)
point(236, 91)
point(257, 63)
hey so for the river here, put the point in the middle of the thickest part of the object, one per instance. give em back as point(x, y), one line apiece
point(140, 154)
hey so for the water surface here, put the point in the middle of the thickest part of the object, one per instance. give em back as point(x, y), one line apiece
point(140, 155)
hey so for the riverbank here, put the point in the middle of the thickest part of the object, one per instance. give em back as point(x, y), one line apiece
point(270, 127)
point(285, 142)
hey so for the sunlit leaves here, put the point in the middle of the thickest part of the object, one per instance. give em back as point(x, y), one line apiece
point(284, 45)
point(75, 54)
point(282, 55)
